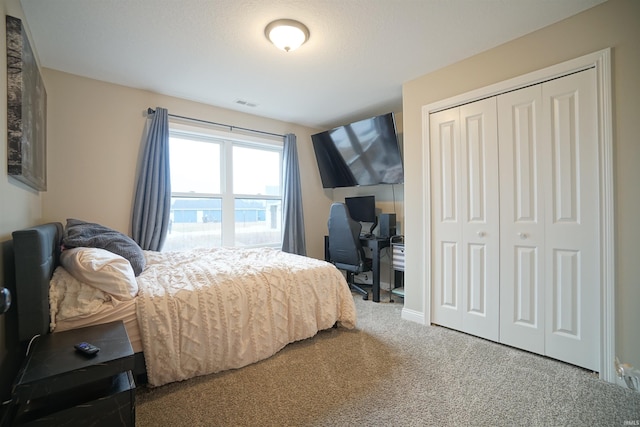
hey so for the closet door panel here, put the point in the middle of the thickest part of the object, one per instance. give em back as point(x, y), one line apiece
point(572, 221)
point(449, 277)
point(565, 293)
point(480, 218)
point(526, 287)
point(521, 220)
point(447, 231)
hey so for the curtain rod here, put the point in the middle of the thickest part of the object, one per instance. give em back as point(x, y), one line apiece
point(231, 127)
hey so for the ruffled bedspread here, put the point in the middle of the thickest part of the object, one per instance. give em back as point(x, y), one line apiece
point(209, 310)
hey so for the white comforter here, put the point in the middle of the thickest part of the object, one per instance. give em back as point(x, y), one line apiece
point(206, 311)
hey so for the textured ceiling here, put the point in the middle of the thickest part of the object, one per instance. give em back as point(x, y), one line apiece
point(214, 51)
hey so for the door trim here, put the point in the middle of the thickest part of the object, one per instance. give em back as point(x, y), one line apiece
point(601, 61)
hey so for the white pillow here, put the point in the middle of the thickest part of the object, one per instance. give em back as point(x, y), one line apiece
point(101, 269)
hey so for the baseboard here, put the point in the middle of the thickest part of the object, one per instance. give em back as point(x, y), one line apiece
point(414, 316)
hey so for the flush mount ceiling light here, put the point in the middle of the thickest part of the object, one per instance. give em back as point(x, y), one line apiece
point(287, 34)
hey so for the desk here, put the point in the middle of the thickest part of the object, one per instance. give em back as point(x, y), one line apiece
point(376, 244)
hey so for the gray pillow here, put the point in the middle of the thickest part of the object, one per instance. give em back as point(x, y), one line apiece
point(88, 235)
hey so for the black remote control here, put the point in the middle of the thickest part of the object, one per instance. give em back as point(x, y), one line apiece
point(86, 348)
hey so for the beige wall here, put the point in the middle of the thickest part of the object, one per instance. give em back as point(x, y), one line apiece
point(613, 24)
point(95, 138)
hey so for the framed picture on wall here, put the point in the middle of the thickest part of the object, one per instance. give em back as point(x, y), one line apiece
point(26, 111)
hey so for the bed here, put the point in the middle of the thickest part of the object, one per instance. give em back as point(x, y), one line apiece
point(191, 313)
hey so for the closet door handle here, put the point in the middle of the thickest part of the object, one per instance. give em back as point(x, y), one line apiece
point(523, 235)
point(481, 234)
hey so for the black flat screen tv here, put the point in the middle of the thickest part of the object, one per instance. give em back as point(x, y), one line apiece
point(366, 152)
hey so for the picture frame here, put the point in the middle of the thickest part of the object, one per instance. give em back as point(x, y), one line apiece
point(26, 111)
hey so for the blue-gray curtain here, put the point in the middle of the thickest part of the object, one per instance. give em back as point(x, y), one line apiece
point(152, 203)
point(293, 240)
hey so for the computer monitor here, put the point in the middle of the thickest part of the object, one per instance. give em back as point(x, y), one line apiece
point(363, 209)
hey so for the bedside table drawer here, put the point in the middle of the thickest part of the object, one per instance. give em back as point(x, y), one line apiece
point(108, 402)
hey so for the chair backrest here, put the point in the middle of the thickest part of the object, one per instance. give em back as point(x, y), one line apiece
point(345, 250)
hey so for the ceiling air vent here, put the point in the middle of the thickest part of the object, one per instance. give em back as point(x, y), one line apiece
point(246, 103)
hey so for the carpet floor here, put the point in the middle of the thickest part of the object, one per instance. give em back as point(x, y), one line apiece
point(393, 372)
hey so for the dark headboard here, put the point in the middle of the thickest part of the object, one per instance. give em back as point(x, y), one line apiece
point(37, 254)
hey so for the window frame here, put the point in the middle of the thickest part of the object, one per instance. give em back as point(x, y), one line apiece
point(227, 141)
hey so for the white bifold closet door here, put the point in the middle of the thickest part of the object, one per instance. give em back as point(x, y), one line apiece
point(515, 217)
point(572, 222)
point(524, 166)
point(550, 274)
point(465, 223)
point(550, 250)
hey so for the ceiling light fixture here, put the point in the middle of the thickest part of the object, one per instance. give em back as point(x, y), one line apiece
point(287, 34)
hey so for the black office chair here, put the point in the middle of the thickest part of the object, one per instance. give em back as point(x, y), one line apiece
point(345, 250)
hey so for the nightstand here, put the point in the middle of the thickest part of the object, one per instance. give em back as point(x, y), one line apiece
point(59, 386)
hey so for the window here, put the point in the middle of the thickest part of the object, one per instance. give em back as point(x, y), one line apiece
point(225, 190)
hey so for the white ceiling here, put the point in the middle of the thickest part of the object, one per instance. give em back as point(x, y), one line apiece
point(214, 51)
